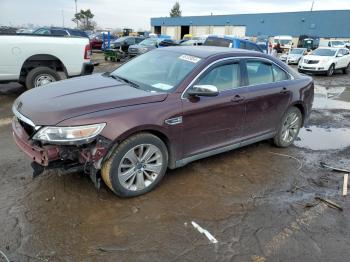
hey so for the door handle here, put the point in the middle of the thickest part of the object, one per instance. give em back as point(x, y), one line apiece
point(284, 90)
point(237, 99)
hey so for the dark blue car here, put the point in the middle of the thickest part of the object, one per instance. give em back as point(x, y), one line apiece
point(233, 42)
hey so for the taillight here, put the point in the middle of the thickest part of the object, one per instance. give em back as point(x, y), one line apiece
point(87, 53)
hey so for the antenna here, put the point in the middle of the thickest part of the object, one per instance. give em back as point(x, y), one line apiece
point(312, 5)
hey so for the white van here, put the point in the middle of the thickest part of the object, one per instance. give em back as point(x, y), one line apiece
point(285, 41)
point(332, 43)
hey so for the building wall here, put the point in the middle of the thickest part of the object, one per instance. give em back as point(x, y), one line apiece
point(319, 23)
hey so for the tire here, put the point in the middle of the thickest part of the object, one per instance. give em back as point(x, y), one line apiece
point(280, 140)
point(119, 163)
point(330, 70)
point(346, 70)
point(33, 77)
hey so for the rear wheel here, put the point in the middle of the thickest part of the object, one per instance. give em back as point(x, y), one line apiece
point(136, 166)
point(289, 128)
point(347, 69)
point(330, 70)
point(41, 76)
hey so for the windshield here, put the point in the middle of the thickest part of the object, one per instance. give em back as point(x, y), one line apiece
point(158, 70)
point(297, 51)
point(337, 43)
point(149, 41)
point(285, 42)
point(324, 52)
point(121, 39)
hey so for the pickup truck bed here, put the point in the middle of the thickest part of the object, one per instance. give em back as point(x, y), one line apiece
point(34, 60)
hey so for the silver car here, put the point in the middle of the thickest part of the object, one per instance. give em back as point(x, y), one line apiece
point(295, 55)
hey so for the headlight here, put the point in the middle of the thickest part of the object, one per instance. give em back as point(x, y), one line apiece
point(66, 135)
point(144, 49)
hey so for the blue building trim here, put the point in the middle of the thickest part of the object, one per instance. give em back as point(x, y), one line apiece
point(333, 23)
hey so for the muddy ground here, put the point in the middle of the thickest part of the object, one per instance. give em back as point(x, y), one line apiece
point(258, 201)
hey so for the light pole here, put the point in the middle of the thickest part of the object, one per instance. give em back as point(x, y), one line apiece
point(312, 5)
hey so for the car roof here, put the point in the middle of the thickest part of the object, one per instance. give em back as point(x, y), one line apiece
point(207, 51)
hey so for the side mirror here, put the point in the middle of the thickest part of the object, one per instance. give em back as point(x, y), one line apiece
point(340, 55)
point(203, 90)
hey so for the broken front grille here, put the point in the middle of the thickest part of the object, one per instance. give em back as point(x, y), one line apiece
point(30, 130)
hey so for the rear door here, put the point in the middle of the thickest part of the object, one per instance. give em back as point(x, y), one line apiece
point(268, 94)
point(212, 122)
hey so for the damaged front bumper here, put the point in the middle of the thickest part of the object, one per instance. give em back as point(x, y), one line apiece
point(87, 157)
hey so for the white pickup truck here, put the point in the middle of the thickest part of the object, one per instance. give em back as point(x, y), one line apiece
point(34, 60)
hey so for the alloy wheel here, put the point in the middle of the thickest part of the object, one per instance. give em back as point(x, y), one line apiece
point(140, 166)
point(290, 127)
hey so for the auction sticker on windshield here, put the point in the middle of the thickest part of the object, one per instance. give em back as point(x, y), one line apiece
point(162, 86)
point(190, 58)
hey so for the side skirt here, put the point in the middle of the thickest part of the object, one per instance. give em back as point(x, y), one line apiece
point(185, 161)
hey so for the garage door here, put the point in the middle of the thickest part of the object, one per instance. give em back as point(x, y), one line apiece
point(218, 30)
point(171, 31)
point(201, 30)
point(239, 31)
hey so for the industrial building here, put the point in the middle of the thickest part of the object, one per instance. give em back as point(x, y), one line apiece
point(324, 24)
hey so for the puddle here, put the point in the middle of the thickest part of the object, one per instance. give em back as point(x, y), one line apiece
point(317, 138)
point(331, 98)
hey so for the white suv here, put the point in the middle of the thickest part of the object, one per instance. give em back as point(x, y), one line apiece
point(326, 60)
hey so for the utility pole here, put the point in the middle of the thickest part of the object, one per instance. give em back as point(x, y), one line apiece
point(312, 5)
point(76, 11)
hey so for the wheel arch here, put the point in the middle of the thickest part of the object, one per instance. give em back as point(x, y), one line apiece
point(37, 60)
point(154, 130)
point(301, 107)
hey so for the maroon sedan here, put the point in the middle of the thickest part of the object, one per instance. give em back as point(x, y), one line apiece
point(163, 109)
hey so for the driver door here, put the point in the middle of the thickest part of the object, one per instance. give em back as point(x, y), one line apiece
point(213, 122)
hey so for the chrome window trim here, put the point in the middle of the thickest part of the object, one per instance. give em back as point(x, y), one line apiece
point(23, 118)
point(233, 59)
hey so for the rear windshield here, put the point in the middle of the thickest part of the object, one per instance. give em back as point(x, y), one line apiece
point(324, 52)
point(216, 41)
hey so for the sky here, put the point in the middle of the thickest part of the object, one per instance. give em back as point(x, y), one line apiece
point(136, 14)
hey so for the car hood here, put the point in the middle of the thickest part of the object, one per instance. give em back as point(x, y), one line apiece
point(295, 55)
point(142, 46)
point(316, 57)
point(51, 104)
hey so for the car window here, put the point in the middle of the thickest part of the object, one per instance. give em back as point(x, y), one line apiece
point(58, 32)
point(130, 41)
point(216, 41)
point(242, 45)
point(223, 77)
point(78, 33)
point(279, 74)
point(345, 51)
point(42, 31)
point(139, 40)
point(259, 72)
point(251, 46)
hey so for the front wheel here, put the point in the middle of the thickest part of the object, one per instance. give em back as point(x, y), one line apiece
point(136, 166)
point(289, 128)
point(330, 70)
point(347, 69)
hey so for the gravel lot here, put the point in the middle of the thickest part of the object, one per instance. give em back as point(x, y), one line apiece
point(258, 201)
